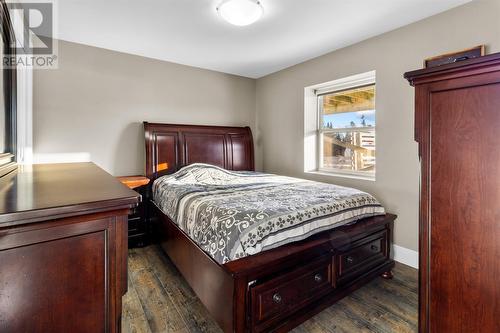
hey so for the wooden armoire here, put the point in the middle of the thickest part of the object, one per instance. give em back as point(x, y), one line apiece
point(457, 126)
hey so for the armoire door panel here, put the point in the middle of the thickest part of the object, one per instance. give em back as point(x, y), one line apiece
point(465, 209)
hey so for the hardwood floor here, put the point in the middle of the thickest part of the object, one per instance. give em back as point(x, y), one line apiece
point(159, 300)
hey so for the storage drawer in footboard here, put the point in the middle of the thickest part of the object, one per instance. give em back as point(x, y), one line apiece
point(273, 300)
point(363, 255)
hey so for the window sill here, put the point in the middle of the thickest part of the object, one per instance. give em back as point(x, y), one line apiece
point(340, 175)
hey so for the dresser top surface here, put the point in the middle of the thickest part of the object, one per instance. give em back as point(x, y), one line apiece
point(39, 192)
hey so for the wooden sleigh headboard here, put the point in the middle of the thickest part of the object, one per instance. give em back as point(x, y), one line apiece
point(170, 147)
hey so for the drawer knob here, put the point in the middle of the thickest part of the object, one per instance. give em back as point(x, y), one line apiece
point(277, 298)
point(374, 248)
point(318, 278)
point(349, 260)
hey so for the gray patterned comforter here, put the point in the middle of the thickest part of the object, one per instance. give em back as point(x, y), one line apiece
point(231, 214)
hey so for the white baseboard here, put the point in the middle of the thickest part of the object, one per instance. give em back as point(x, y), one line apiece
point(405, 256)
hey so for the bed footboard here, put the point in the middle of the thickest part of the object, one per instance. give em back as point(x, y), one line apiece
point(278, 289)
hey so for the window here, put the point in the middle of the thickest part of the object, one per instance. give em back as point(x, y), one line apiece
point(8, 98)
point(345, 131)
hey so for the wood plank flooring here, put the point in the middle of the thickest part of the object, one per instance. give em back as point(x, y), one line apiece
point(159, 300)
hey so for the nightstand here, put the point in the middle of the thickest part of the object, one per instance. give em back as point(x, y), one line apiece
point(138, 229)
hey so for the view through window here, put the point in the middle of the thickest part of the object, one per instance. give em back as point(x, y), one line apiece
point(347, 131)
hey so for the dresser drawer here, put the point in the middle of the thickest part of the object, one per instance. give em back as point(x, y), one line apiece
point(364, 254)
point(279, 296)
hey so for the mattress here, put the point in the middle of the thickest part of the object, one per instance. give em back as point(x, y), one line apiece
point(231, 215)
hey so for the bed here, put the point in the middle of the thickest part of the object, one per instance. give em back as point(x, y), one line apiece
point(257, 281)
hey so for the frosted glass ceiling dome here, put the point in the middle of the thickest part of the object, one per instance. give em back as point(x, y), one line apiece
point(240, 12)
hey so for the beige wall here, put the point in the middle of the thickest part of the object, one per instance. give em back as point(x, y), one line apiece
point(93, 106)
point(280, 103)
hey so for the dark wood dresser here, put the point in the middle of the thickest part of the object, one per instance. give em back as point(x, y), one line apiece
point(457, 126)
point(63, 249)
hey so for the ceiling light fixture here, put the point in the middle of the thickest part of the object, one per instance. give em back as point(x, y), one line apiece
point(240, 12)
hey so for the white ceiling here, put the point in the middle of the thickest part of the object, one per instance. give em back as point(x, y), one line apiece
point(190, 31)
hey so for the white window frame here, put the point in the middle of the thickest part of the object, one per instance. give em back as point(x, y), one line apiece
point(313, 111)
point(24, 108)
